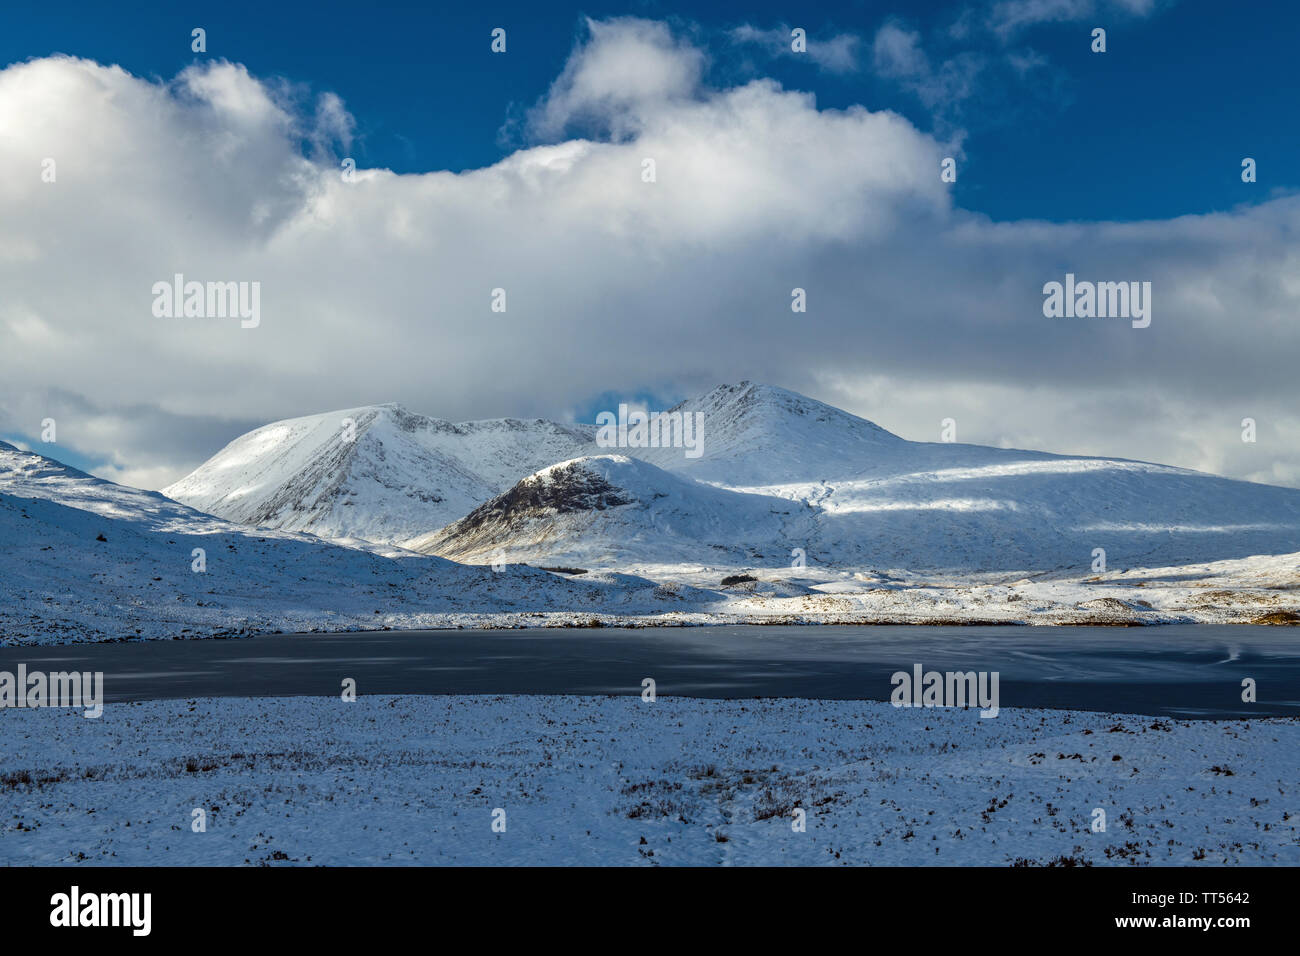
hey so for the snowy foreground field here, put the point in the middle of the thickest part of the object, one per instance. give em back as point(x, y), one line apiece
point(615, 780)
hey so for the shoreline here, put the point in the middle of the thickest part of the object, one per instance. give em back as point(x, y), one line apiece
point(557, 621)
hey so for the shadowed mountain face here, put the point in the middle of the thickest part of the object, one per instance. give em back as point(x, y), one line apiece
point(613, 510)
point(566, 488)
point(777, 473)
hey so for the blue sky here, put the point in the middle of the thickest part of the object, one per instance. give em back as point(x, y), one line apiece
point(1154, 128)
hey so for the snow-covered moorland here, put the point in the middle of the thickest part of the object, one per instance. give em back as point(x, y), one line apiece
point(615, 780)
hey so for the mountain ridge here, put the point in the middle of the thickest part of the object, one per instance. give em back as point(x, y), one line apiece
point(873, 499)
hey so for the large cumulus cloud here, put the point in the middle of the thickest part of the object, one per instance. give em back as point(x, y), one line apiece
point(379, 289)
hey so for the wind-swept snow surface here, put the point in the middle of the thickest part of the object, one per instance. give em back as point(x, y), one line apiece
point(614, 780)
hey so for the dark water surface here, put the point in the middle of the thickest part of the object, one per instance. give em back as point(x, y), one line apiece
point(1190, 671)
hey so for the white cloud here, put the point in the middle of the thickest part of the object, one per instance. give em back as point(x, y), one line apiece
point(625, 68)
point(835, 53)
point(333, 124)
point(897, 54)
point(380, 289)
point(957, 66)
point(1006, 17)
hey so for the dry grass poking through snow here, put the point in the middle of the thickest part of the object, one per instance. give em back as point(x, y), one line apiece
point(615, 780)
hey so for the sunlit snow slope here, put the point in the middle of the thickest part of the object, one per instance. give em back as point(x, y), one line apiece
point(386, 476)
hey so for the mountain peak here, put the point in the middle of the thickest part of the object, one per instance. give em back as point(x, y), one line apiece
point(754, 433)
point(755, 399)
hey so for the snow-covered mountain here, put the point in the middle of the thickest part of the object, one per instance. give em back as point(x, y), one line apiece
point(85, 559)
point(611, 511)
point(378, 472)
point(393, 474)
point(857, 496)
point(885, 502)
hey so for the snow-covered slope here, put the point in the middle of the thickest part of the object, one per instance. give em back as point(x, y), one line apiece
point(389, 475)
point(1046, 514)
point(83, 558)
point(602, 781)
point(885, 502)
point(611, 510)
